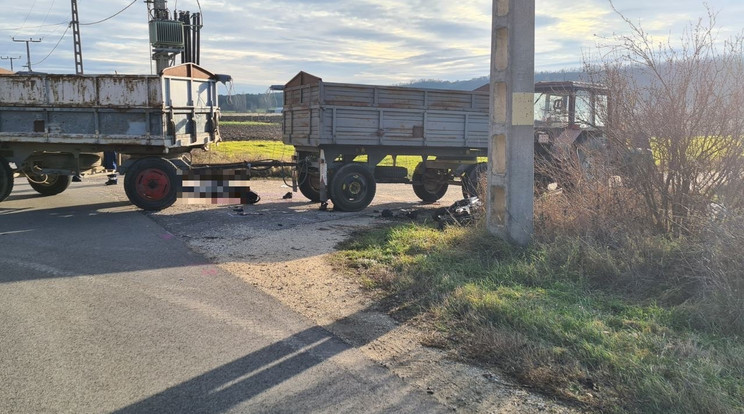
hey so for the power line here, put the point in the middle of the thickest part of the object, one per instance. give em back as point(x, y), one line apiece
point(14, 29)
point(112, 16)
point(46, 17)
point(54, 48)
point(200, 10)
point(28, 14)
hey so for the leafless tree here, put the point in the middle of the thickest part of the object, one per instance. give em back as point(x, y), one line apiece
point(677, 118)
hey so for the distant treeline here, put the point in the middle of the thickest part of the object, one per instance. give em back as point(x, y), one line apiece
point(268, 102)
point(475, 83)
point(251, 102)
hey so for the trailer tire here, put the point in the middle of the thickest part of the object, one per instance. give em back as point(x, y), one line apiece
point(152, 184)
point(6, 179)
point(352, 187)
point(428, 185)
point(472, 184)
point(48, 184)
point(308, 181)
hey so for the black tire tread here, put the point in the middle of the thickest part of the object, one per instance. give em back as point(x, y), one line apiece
point(6, 179)
point(130, 185)
point(58, 185)
point(419, 188)
point(342, 203)
point(471, 185)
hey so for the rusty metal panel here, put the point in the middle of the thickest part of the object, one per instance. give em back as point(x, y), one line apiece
point(123, 91)
point(165, 111)
point(22, 90)
point(71, 90)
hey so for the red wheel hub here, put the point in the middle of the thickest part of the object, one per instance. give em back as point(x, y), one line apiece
point(153, 184)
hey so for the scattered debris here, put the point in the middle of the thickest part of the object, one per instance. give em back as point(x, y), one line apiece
point(462, 213)
point(251, 197)
point(408, 214)
point(287, 196)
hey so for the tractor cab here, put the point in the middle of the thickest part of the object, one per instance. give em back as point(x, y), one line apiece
point(569, 113)
point(570, 119)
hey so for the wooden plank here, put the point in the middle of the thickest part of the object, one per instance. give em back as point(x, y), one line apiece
point(379, 115)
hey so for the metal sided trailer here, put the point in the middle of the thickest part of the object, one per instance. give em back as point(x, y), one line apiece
point(53, 127)
point(334, 127)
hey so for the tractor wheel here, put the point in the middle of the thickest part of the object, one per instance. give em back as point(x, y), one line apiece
point(473, 180)
point(152, 184)
point(352, 187)
point(48, 184)
point(6, 179)
point(429, 185)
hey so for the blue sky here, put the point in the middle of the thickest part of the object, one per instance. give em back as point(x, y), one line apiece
point(264, 42)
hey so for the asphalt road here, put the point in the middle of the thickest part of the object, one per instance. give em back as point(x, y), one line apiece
point(103, 310)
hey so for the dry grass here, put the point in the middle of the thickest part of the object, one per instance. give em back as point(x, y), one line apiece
point(620, 247)
point(602, 309)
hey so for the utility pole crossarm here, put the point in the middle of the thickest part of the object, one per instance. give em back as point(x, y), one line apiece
point(28, 50)
point(11, 58)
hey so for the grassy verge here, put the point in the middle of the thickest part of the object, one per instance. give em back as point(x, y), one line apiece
point(548, 315)
point(255, 150)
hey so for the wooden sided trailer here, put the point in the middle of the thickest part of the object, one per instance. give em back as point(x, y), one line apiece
point(341, 133)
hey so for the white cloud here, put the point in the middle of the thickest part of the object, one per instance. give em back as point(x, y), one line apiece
point(368, 41)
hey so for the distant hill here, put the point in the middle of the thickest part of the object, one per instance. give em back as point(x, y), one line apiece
point(262, 102)
point(465, 85)
point(475, 83)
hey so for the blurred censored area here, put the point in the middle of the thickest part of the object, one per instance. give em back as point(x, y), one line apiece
point(216, 186)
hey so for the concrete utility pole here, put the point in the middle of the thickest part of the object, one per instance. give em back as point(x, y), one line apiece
point(511, 162)
point(28, 50)
point(11, 60)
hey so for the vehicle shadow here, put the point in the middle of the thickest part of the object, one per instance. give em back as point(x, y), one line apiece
point(237, 383)
point(114, 237)
point(245, 381)
point(88, 239)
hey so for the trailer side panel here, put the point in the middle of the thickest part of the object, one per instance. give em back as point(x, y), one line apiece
point(319, 113)
point(157, 111)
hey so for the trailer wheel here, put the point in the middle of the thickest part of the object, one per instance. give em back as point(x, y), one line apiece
point(308, 180)
point(472, 181)
point(48, 184)
point(6, 179)
point(151, 184)
point(352, 187)
point(429, 184)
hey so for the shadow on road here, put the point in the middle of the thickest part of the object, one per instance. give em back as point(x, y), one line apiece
point(240, 381)
point(91, 239)
point(114, 237)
